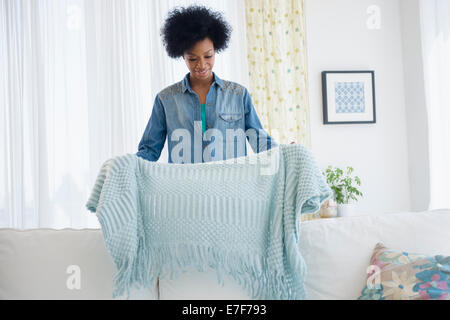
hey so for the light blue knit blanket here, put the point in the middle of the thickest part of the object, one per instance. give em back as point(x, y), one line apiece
point(239, 216)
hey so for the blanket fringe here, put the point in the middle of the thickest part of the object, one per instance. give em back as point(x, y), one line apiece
point(251, 272)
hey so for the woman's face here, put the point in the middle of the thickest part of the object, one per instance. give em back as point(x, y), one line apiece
point(200, 60)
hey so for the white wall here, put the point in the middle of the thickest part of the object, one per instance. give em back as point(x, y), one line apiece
point(338, 39)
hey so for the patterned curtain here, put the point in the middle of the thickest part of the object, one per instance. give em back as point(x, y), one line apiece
point(278, 69)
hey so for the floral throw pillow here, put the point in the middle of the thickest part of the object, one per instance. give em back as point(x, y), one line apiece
point(397, 275)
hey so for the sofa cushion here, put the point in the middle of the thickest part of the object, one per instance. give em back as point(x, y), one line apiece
point(400, 275)
point(58, 264)
point(196, 285)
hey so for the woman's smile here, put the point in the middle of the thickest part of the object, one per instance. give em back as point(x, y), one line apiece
point(202, 73)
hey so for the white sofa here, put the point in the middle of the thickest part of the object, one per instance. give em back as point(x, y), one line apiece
point(75, 264)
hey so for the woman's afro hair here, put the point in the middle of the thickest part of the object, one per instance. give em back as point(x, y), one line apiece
point(186, 26)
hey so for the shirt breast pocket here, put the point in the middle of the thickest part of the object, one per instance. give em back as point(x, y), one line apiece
point(230, 120)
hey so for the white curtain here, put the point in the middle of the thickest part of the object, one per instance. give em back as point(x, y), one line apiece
point(77, 84)
point(435, 23)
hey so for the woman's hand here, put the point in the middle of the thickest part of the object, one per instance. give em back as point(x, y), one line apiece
point(293, 142)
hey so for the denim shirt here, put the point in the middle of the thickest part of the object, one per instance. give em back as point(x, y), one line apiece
point(177, 114)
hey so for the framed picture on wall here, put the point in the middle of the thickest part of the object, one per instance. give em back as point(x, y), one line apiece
point(348, 97)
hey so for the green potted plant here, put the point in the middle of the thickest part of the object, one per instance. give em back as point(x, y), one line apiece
point(345, 189)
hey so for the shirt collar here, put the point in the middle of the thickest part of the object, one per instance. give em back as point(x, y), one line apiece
point(186, 85)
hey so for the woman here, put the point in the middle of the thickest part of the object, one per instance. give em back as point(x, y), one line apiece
point(202, 115)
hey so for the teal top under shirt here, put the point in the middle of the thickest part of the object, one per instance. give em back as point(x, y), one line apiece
point(203, 117)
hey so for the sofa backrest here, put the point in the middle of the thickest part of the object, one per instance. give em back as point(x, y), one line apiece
point(57, 264)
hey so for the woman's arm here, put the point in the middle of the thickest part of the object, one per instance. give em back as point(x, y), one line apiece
point(252, 122)
point(154, 137)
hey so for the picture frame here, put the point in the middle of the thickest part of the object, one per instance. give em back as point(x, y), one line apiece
point(348, 97)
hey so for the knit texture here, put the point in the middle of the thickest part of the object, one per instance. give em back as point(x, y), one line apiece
point(239, 216)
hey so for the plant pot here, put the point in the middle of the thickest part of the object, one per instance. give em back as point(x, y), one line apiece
point(346, 209)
